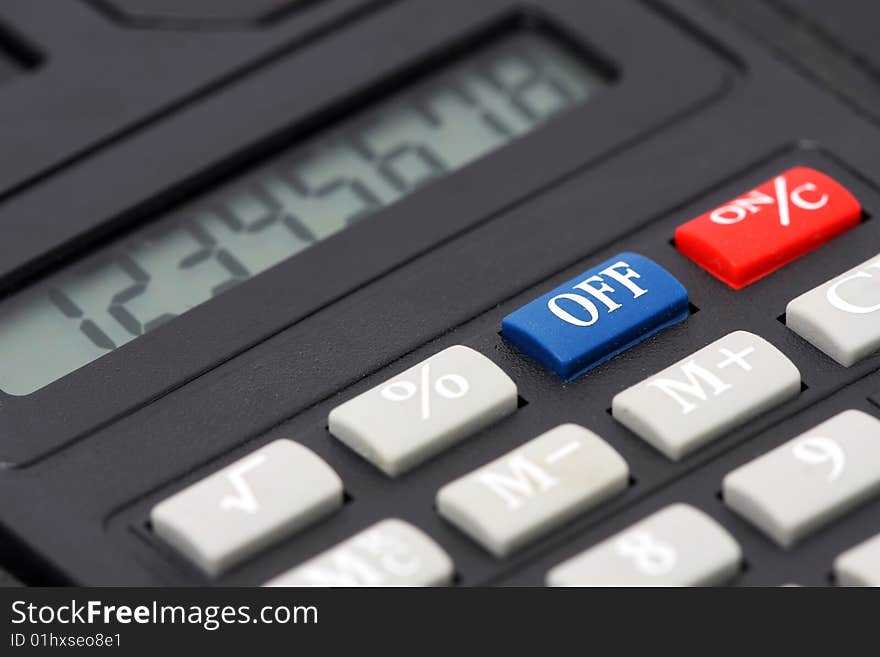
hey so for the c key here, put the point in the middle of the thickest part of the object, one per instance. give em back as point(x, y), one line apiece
point(841, 317)
point(767, 227)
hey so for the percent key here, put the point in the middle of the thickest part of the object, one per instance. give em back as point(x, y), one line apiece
point(428, 408)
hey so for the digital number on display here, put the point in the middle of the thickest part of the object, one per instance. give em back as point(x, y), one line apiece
point(269, 214)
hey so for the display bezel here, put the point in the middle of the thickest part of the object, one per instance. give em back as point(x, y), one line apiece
point(648, 93)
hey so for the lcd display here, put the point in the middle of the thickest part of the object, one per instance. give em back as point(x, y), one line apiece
point(272, 212)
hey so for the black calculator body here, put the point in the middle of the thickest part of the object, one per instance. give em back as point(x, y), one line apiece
point(134, 133)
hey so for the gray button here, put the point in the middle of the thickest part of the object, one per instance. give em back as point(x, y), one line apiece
point(228, 516)
point(707, 394)
point(841, 317)
point(859, 566)
point(390, 553)
point(677, 546)
point(809, 481)
point(442, 400)
point(513, 500)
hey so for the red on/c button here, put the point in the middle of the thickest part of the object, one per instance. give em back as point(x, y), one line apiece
point(769, 226)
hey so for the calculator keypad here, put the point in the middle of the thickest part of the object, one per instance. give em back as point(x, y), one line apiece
point(409, 418)
point(811, 480)
point(708, 393)
point(563, 476)
point(677, 546)
point(841, 317)
point(513, 500)
point(248, 505)
point(390, 553)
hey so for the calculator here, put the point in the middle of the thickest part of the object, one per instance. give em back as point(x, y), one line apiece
point(411, 293)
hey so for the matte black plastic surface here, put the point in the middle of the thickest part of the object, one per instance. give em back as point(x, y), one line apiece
point(197, 14)
point(132, 375)
point(701, 111)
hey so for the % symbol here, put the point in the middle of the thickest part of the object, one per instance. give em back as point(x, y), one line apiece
point(448, 386)
point(803, 196)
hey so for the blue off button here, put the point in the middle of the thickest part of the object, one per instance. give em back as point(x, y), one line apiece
point(597, 315)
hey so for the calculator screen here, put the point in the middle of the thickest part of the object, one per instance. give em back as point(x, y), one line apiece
point(307, 193)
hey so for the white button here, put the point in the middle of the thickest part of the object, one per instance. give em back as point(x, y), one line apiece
point(390, 553)
point(513, 500)
point(859, 566)
point(677, 546)
point(841, 317)
point(228, 516)
point(809, 481)
point(442, 400)
point(708, 393)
